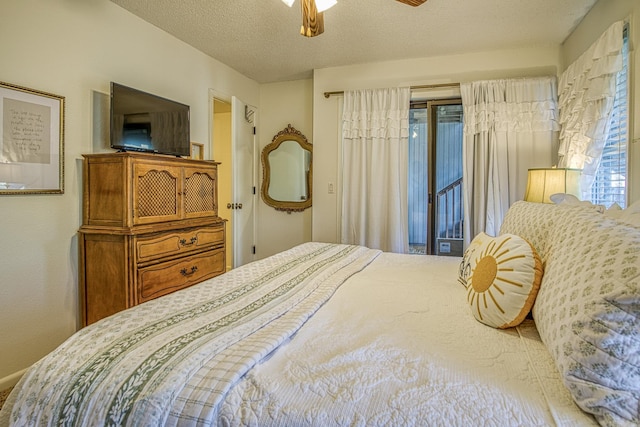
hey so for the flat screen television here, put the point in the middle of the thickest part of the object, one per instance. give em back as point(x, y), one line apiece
point(141, 121)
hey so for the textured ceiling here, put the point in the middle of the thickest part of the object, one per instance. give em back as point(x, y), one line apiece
point(260, 38)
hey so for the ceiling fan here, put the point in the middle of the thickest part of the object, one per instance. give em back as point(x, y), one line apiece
point(313, 16)
point(412, 2)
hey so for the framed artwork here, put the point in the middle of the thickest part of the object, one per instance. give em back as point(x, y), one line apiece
point(31, 141)
point(197, 151)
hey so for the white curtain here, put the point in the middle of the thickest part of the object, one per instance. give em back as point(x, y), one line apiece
point(375, 132)
point(509, 126)
point(587, 89)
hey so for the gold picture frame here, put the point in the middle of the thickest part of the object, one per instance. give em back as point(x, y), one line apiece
point(197, 151)
point(31, 141)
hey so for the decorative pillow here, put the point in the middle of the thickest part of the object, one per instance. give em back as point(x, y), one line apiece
point(465, 265)
point(613, 209)
point(631, 215)
point(588, 313)
point(534, 222)
point(505, 278)
point(570, 199)
point(531, 221)
point(563, 198)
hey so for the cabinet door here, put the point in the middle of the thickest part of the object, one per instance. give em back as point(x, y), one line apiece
point(200, 198)
point(156, 191)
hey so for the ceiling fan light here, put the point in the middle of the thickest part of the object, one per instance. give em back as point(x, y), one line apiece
point(312, 20)
point(288, 2)
point(323, 5)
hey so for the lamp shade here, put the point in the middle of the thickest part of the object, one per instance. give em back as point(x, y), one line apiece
point(542, 183)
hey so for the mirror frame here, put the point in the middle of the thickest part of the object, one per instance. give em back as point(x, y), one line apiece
point(287, 134)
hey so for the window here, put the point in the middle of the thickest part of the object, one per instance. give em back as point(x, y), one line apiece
point(609, 186)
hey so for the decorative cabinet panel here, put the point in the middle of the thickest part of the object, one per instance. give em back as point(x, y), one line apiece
point(156, 192)
point(150, 227)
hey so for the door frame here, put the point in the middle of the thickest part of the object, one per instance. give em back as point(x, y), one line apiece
point(222, 204)
point(431, 149)
point(235, 115)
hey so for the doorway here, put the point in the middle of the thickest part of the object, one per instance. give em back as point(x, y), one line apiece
point(435, 177)
point(233, 145)
point(221, 149)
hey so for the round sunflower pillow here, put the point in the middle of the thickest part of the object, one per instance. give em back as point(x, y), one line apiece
point(505, 277)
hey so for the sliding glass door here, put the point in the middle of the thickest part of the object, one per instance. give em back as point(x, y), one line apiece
point(435, 177)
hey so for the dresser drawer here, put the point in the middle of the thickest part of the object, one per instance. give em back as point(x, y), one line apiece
point(172, 243)
point(166, 277)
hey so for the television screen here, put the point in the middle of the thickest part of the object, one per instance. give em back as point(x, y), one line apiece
point(141, 121)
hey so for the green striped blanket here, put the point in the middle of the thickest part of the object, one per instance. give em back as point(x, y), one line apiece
point(171, 361)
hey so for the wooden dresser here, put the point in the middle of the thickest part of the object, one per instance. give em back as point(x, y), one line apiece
point(150, 227)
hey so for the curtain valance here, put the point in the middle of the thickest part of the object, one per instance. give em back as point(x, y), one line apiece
point(376, 113)
point(511, 105)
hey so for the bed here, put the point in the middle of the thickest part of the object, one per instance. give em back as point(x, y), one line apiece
point(321, 334)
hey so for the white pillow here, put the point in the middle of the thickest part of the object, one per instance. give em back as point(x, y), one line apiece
point(570, 199)
point(559, 198)
point(631, 215)
point(504, 281)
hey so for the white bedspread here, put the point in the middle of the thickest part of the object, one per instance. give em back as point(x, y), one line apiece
point(398, 346)
point(395, 345)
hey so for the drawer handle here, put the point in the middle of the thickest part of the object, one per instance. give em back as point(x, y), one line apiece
point(187, 273)
point(193, 240)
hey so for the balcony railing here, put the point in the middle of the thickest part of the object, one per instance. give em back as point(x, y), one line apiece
point(450, 211)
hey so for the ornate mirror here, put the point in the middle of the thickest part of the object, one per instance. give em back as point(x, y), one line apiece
point(286, 168)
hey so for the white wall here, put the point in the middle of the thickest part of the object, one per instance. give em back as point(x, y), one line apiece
point(74, 49)
point(602, 15)
point(524, 62)
point(282, 104)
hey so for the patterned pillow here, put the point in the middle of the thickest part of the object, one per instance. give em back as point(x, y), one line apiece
point(465, 265)
point(505, 277)
point(588, 313)
point(534, 222)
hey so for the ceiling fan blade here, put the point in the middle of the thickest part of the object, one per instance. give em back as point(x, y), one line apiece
point(412, 2)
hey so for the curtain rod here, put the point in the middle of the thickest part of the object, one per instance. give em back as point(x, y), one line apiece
point(435, 86)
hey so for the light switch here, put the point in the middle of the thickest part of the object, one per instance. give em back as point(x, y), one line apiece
point(331, 190)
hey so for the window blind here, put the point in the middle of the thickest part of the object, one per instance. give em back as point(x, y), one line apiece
point(609, 186)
